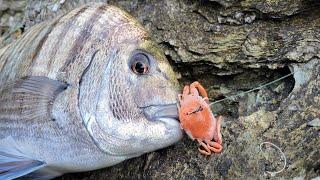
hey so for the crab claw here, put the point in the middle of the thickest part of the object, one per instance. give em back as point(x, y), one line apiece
point(199, 89)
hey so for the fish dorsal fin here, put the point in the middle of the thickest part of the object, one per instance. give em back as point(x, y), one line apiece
point(31, 97)
point(13, 163)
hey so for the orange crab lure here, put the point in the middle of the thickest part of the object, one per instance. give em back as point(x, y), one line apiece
point(197, 120)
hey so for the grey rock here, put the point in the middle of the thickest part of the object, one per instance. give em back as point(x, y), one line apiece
point(298, 178)
point(314, 123)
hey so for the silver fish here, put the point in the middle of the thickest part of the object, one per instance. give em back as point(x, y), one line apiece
point(84, 91)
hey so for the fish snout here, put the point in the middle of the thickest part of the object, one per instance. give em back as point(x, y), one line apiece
point(156, 112)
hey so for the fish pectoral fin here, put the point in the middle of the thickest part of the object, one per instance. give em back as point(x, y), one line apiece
point(13, 163)
point(40, 86)
point(33, 97)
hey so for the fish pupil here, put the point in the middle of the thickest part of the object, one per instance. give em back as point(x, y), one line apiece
point(140, 63)
point(140, 68)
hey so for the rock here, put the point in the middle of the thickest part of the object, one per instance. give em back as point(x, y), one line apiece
point(298, 178)
point(302, 73)
point(11, 20)
point(314, 123)
point(274, 8)
point(231, 47)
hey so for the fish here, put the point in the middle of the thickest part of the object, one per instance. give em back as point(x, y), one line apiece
point(86, 90)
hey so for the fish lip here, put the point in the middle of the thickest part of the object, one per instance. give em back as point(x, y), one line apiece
point(167, 121)
point(171, 122)
point(161, 111)
point(166, 114)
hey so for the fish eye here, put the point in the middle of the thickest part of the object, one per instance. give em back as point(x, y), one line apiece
point(140, 64)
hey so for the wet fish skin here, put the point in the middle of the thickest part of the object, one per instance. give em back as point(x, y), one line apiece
point(105, 113)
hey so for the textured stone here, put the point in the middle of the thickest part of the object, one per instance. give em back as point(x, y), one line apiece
point(314, 123)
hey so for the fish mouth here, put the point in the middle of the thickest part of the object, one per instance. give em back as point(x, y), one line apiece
point(166, 114)
point(165, 117)
point(161, 112)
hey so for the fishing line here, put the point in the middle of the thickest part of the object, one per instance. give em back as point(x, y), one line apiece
point(282, 154)
point(251, 90)
point(273, 173)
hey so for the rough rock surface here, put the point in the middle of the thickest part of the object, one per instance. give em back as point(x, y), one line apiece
point(230, 46)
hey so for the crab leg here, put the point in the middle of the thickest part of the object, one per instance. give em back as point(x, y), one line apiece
point(217, 135)
point(214, 146)
point(186, 91)
point(207, 151)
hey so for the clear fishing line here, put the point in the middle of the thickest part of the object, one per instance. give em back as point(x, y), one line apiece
point(251, 90)
point(282, 155)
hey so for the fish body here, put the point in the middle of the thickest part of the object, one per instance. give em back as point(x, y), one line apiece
point(84, 91)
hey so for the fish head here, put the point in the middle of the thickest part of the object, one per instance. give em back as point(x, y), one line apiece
point(128, 94)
